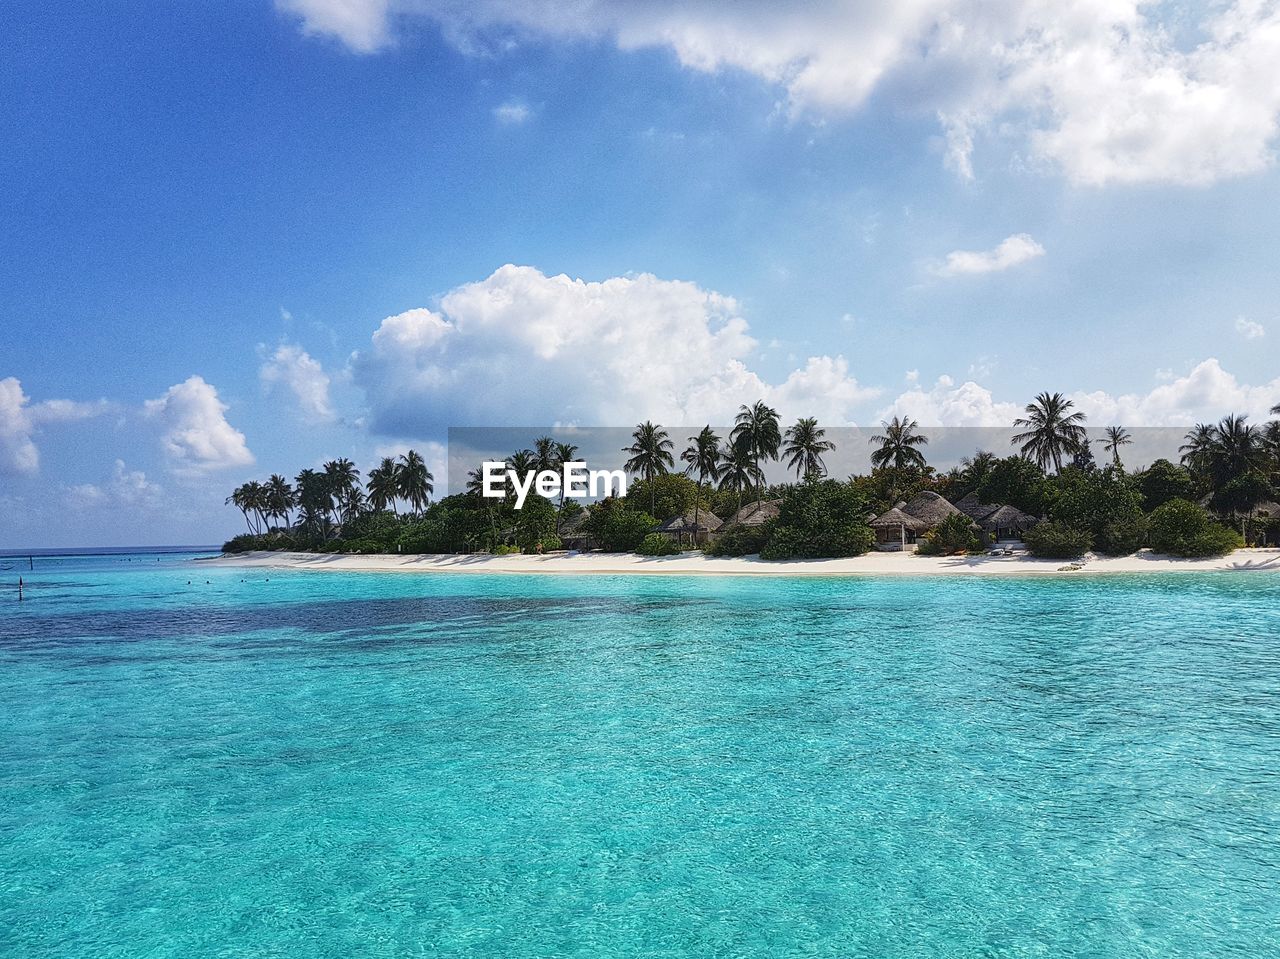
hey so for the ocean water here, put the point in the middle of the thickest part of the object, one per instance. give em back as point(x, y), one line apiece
point(200, 762)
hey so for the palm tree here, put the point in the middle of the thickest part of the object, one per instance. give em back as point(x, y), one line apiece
point(414, 481)
point(383, 485)
point(1117, 436)
point(344, 483)
point(1197, 451)
point(757, 431)
point(1051, 430)
point(650, 452)
point(563, 453)
point(314, 499)
point(974, 469)
point(279, 498)
point(898, 446)
point(805, 446)
point(240, 499)
point(738, 471)
point(703, 457)
point(1235, 451)
point(521, 462)
point(544, 453)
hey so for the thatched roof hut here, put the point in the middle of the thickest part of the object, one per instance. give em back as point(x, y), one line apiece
point(896, 520)
point(1007, 519)
point(931, 508)
point(975, 510)
point(678, 527)
point(754, 514)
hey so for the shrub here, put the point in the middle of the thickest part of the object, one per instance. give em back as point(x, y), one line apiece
point(504, 550)
point(547, 544)
point(655, 544)
point(819, 519)
point(673, 494)
point(535, 521)
point(1057, 540)
point(1105, 504)
point(740, 540)
point(244, 543)
point(616, 528)
point(1163, 481)
point(953, 535)
point(1183, 528)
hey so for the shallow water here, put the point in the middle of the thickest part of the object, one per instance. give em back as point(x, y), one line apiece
point(264, 763)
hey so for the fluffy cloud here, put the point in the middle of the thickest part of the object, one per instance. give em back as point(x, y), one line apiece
point(292, 367)
point(197, 437)
point(19, 420)
point(1011, 251)
point(1205, 394)
point(1104, 89)
point(946, 404)
point(125, 487)
point(523, 348)
point(513, 113)
point(1249, 329)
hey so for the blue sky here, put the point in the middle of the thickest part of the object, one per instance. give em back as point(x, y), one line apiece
point(636, 210)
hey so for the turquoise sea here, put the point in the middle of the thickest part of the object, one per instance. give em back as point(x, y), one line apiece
point(200, 762)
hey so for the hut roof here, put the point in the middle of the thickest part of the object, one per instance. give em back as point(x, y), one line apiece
point(971, 507)
point(931, 508)
point(684, 524)
point(575, 523)
point(895, 518)
point(1007, 517)
point(755, 514)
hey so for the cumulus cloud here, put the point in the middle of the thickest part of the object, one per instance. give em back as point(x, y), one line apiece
point(20, 419)
point(1105, 89)
point(196, 436)
point(292, 367)
point(946, 404)
point(1011, 251)
point(1250, 329)
point(521, 347)
point(125, 487)
point(1206, 393)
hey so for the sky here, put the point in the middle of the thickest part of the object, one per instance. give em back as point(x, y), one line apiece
point(245, 238)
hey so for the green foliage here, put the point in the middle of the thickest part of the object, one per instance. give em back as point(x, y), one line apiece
point(740, 540)
point(953, 535)
point(819, 519)
point(1057, 540)
point(381, 527)
point(504, 550)
point(617, 528)
point(1163, 481)
point(547, 544)
point(1182, 528)
point(452, 525)
point(672, 494)
point(655, 544)
point(1014, 481)
point(244, 543)
point(1106, 505)
point(535, 521)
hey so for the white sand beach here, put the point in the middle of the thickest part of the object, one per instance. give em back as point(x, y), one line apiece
point(874, 564)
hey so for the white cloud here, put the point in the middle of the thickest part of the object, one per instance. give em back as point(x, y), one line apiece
point(946, 404)
point(523, 348)
point(125, 487)
point(512, 113)
point(1249, 329)
point(197, 437)
point(19, 420)
point(292, 367)
point(1011, 251)
point(1110, 91)
point(1205, 394)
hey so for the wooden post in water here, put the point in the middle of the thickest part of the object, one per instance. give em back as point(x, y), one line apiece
point(19, 589)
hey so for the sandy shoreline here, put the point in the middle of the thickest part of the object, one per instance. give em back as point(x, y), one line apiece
point(873, 564)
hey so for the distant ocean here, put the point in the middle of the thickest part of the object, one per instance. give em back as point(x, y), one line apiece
point(202, 761)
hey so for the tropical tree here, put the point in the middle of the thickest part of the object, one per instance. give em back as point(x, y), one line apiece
point(314, 499)
point(899, 446)
point(1117, 436)
point(650, 453)
point(544, 454)
point(521, 462)
point(414, 482)
point(1236, 449)
point(757, 431)
point(703, 457)
point(805, 444)
point(974, 469)
point(279, 498)
point(563, 453)
point(1197, 451)
point(344, 484)
point(1051, 430)
point(738, 471)
point(242, 499)
point(382, 485)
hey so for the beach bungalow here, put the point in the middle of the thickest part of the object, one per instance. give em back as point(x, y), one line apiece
point(573, 531)
point(996, 521)
point(753, 514)
point(908, 521)
point(685, 528)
